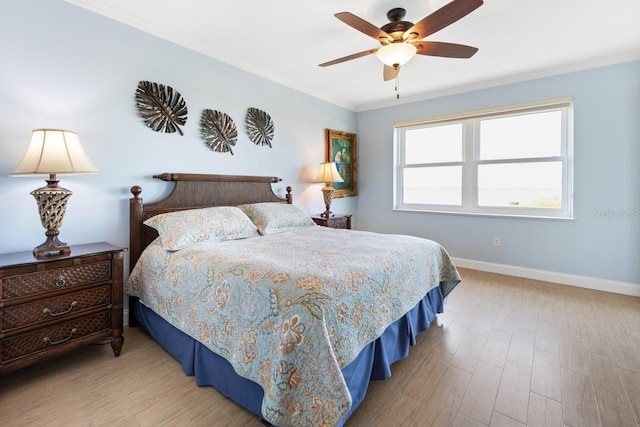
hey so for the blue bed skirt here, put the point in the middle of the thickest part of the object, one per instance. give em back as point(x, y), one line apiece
point(373, 362)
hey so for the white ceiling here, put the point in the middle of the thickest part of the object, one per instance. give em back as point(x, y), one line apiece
point(285, 40)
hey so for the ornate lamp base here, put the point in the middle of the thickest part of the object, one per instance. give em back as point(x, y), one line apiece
point(327, 193)
point(52, 205)
point(52, 246)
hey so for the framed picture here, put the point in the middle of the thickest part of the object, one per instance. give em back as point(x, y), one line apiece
point(341, 148)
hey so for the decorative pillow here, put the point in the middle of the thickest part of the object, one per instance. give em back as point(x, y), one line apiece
point(181, 229)
point(271, 218)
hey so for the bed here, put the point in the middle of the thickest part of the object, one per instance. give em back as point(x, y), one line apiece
point(288, 319)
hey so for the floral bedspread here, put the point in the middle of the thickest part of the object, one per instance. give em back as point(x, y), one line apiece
point(289, 310)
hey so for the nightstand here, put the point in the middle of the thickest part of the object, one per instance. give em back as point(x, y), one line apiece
point(50, 306)
point(335, 221)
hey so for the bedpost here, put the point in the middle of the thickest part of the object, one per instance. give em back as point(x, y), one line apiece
point(135, 226)
point(289, 195)
point(135, 242)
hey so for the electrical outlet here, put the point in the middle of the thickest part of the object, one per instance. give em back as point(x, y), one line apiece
point(496, 241)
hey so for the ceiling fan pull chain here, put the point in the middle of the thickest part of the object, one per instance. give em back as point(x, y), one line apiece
point(398, 86)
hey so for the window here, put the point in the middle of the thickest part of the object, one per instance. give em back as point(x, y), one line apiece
point(514, 161)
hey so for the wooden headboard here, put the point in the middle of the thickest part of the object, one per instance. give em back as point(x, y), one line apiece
point(193, 191)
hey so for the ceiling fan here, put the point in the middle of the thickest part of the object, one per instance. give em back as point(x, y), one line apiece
point(401, 40)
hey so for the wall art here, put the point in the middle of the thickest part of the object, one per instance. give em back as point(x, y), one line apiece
point(341, 148)
point(218, 130)
point(161, 107)
point(260, 127)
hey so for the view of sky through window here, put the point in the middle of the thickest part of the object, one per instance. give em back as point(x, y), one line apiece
point(512, 160)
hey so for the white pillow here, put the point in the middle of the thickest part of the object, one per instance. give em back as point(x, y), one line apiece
point(185, 228)
point(273, 217)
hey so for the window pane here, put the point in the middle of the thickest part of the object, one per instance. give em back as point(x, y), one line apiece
point(439, 185)
point(522, 136)
point(521, 185)
point(434, 144)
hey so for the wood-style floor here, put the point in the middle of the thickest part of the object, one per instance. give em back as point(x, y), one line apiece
point(507, 352)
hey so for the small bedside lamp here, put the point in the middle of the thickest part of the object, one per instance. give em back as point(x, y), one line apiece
point(328, 174)
point(53, 151)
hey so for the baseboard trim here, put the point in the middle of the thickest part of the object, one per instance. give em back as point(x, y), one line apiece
point(587, 282)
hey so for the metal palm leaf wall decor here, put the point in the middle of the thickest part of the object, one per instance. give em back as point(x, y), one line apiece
point(218, 130)
point(260, 127)
point(161, 107)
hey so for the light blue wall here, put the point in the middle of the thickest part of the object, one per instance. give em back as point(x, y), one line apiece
point(64, 67)
point(607, 153)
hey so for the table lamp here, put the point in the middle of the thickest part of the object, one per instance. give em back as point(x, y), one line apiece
point(328, 174)
point(53, 151)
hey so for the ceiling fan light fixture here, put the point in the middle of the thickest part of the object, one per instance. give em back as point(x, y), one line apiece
point(396, 54)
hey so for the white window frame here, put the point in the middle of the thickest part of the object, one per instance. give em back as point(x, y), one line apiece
point(470, 160)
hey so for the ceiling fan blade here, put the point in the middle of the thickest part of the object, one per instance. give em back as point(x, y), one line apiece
point(363, 26)
point(390, 73)
point(349, 57)
point(446, 15)
point(447, 50)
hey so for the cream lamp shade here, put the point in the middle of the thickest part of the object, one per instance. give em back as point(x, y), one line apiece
point(52, 152)
point(328, 174)
point(396, 54)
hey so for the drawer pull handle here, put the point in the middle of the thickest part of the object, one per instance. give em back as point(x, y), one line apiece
point(47, 340)
point(60, 313)
point(60, 281)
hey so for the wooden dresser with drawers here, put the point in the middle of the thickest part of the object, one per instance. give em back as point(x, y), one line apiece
point(335, 221)
point(50, 306)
